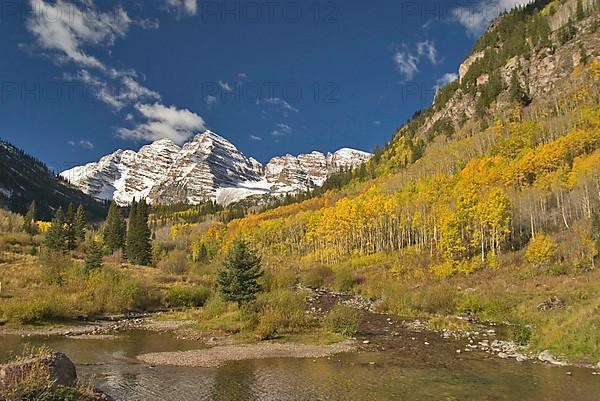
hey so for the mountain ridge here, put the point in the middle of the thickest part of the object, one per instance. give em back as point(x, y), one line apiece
point(24, 179)
point(207, 167)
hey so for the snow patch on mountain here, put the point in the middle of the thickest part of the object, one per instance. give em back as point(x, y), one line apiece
point(207, 167)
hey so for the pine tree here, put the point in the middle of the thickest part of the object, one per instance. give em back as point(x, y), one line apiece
point(79, 225)
point(93, 257)
point(145, 234)
point(29, 222)
point(132, 226)
point(69, 227)
point(238, 280)
point(114, 230)
point(139, 247)
point(56, 239)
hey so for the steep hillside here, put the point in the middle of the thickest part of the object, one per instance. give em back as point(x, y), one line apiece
point(24, 179)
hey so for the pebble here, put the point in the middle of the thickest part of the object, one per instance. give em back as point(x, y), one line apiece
point(426, 343)
point(366, 342)
point(458, 351)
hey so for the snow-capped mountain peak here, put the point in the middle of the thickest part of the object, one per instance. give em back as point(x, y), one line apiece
point(206, 167)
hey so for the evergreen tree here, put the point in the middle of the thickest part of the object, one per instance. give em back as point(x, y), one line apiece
point(145, 234)
point(71, 237)
point(56, 236)
point(93, 257)
point(139, 247)
point(238, 280)
point(130, 245)
point(79, 225)
point(29, 222)
point(114, 230)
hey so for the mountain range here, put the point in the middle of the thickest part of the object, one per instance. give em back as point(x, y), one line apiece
point(208, 167)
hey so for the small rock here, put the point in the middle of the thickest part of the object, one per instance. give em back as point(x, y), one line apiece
point(426, 343)
point(546, 356)
point(458, 351)
point(503, 355)
point(366, 342)
point(569, 374)
point(551, 304)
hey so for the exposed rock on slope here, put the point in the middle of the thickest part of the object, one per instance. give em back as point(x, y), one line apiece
point(207, 167)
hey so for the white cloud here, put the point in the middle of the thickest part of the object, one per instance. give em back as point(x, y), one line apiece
point(82, 143)
point(255, 138)
point(277, 101)
point(122, 91)
point(427, 49)
point(242, 76)
point(281, 129)
point(376, 122)
point(187, 7)
point(66, 28)
point(164, 122)
point(445, 80)
point(407, 62)
point(476, 18)
point(210, 100)
point(225, 86)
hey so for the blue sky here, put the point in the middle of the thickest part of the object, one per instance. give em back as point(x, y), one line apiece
point(81, 79)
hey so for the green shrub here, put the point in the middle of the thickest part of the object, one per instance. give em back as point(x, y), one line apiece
point(276, 313)
point(345, 279)
point(470, 303)
point(439, 299)
point(42, 307)
point(342, 320)
point(317, 277)
point(520, 333)
point(177, 262)
point(558, 270)
point(270, 323)
point(188, 296)
point(111, 291)
point(55, 266)
point(278, 279)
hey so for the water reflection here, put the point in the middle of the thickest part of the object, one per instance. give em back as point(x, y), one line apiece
point(407, 372)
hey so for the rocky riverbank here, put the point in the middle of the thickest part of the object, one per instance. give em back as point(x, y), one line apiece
point(481, 337)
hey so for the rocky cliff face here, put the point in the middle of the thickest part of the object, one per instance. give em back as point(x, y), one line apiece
point(538, 72)
point(311, 170)
point(207, 167)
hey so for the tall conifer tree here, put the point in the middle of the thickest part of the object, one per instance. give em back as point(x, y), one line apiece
point(56, 239)
point(29, 222)
point(115, 229)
